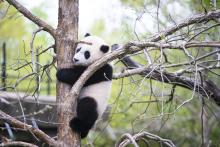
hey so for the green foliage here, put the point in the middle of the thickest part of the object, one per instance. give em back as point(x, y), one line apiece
point(16, 32)
point(98, 27)
point(12, 26)
point(124, 32)
point(39, 12)
point(200, 5)
point(136, 4)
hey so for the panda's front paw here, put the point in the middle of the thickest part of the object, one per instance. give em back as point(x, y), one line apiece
point(60, 74)
point(66, 75)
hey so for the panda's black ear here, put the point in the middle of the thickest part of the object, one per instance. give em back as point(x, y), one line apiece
point(87, 34)
point(104, 48)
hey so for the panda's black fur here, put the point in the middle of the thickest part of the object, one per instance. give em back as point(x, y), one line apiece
point(71, 75)
point(87, 106)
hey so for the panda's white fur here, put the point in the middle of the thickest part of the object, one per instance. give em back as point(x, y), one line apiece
point(100, 92)
point(93, 97)
point(92, 44)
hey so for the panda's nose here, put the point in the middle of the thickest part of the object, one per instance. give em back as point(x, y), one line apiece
point(75, 60)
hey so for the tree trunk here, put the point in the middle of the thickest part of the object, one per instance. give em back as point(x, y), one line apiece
point(66, 37)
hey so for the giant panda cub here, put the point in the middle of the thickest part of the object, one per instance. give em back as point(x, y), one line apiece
point(93, 97)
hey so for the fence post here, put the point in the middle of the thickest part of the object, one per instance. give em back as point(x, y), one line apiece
point(4, 67)
point(48, 81)
point(37, 70)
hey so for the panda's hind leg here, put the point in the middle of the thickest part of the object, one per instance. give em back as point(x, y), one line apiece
point(86, 116)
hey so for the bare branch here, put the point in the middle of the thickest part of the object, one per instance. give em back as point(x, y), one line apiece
point(142, 45)
point(189, 21)
point(203, 31)
point(131, 72)
point(18, 124)
point(34, 67)
point(128, 139)
point(130, 48)
point(46, 27)
point(52, 46)
point(17, 143)
point(32, 49)
point(153, 73)
point(7, 142)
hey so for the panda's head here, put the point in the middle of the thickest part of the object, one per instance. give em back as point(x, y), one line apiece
point(89, 50)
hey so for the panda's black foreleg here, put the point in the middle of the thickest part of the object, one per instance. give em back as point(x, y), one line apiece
point(86, 116)
point(69, 75)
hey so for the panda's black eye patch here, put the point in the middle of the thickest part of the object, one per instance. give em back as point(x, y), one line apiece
point(87, 54)
point(78, 49)
point(104, 48)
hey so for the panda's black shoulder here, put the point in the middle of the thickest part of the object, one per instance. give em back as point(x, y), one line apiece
point(108, 71)
point(102, 74)
point(79, 69)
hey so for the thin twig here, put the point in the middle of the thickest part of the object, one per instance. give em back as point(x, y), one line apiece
point(52, 46)
point(125, 140)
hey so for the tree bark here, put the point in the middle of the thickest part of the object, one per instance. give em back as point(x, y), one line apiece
point(66, 37)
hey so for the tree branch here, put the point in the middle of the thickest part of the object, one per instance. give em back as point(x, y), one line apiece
point(182, 81)
point(199, 18)
point(6, 142)
point(130, 48)
point(181, 46)
point(16, 123)
point(128, 139)
point(66, 39)
point(46, 27)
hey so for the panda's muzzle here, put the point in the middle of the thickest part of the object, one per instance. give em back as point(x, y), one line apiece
point(75, 60)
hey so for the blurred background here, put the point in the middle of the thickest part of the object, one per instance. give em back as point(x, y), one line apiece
point(137, 103)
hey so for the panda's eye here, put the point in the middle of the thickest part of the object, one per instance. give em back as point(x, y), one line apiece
point(77, 50)
point(87, 54)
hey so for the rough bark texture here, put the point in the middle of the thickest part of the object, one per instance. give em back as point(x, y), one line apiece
point(66, 37)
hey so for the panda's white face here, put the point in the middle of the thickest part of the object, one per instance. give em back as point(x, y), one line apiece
point(88, 50)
